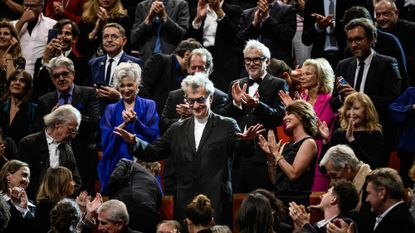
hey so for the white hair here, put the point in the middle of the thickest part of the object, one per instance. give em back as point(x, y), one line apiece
point(127, 69)
point(254, 44)
point(198, 80)
point(62, 114)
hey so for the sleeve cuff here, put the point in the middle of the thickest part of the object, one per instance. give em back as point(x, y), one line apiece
point(196, 25)
point(317, 28)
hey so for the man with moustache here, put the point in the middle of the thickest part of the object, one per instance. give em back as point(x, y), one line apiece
point(371, 73)
point(202, 148)
point(68, 33)
point(252, 100)
point(62, 73)
point(33, 29)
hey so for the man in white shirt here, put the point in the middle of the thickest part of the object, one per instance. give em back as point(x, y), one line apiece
point(384, 193)
point(33, 29)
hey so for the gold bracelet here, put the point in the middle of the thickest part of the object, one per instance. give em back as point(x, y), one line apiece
point(279, 157)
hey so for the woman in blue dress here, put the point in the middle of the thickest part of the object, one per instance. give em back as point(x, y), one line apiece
point(134, 114)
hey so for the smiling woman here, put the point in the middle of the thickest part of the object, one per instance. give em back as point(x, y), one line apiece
point(14, 178)
point(135, 114)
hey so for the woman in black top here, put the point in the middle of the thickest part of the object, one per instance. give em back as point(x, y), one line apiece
point(359, 128)
point(290, 166)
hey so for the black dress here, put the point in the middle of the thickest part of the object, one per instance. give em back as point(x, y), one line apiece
point(300, 189)
point(367, 145)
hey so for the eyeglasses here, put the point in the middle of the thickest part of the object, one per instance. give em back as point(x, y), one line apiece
point(200, 100)
point(64, 74)
point(357, 39)
point(255, 60)
point(30, 5)
point(112, 37)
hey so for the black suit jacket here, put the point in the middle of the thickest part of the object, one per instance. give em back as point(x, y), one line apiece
point(383, 82)
point(33, 149)
point(159, 78)
point(276, 32)
point(398, 219)
point(311, 36)
point(84, 99)
point(169, 115)
point(42, 82)
point(224, 51)
point(202, 171)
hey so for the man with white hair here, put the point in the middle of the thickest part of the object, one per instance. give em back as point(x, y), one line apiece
point(201, 146)
point(253, 100)
point(49, 147)
point(113, 217)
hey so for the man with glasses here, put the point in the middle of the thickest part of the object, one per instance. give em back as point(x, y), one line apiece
point(33, 29)
point(371, 73)
point(62, 73)
point(253, 100)
point(202, 148)
point(50, 147)
point(102, 68)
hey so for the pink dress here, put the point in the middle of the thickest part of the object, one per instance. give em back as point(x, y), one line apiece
point(325, 113)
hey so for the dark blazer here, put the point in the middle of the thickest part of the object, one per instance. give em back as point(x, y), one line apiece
point(42, 82)
point(398, 219)
point(33, 149)
point(169, 115)
point(383, 82)
point(159, 78)
point(143, 36)
point(17, 222)
point(97, 67)
point(276, 32)
point(311, 36)
point(224, 51)
point(84, 99)
point(205, 171)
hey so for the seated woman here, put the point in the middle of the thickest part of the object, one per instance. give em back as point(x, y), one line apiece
point(10, 51)
point(57, 184)
point(296, 160)
point(134, 114)
point(64, 217)
point(14, 178)
point(359, 128)
point(199, 215)
point(17, 113)
point(96, 14)
point(255, 215)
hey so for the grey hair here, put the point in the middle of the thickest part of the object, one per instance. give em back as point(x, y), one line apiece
point(203, 53)
point(127, 69)
point(198, 80)
point(254, 44)
point(61, 61)
point(340, 156)
point(62, 114)
point(116, 211)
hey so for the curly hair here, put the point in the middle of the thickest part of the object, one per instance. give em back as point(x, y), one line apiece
point(305, 112)
point(16, 51)
point(65, 216)
point(371, 121)
point(346, 194)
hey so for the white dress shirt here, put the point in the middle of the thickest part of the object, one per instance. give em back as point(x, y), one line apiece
point(199, 127)
point(53, 151)
point(33, 44)
point(210, 26)
point(367, 61)
point(114, 65)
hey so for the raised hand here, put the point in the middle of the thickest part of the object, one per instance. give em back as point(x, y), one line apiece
point(349, 132)
point(339, 226)
point(285, 97)
point(237, 92)
point(129, 115)
point(251, 133)
point(216, 7)
point(183, 110)
point(200, 11)
point(127, 136)
point(323, 130)
point(299, 215)
point(274, 147)
point(27, 16)
point(92, 206)
point(250, 101)
point(323, 21)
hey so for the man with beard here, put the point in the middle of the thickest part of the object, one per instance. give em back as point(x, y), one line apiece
point(68, 33)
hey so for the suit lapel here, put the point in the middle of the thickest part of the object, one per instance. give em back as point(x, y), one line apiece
point(371, 73)
point(189, 133)
point(101, 69)
point(207, 131)
point(352, 71)
point(75, 96)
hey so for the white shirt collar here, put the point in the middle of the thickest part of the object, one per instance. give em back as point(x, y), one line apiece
point(116, 57)
point(324, 222)
point(50, 140)
point(368, 59)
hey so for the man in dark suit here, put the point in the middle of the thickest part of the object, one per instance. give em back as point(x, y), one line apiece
point(175, 109)
point(159, 26)
point(102, 68)
point(253, 100)
point(201, 147)
point(68, 33)
point(163, 73)
point(215, 26)
point(274, 24)
point(371, 73)
point(84, 99)
point(323, 28)
point(384, 193)
point(387, 18)
point(49, 147)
